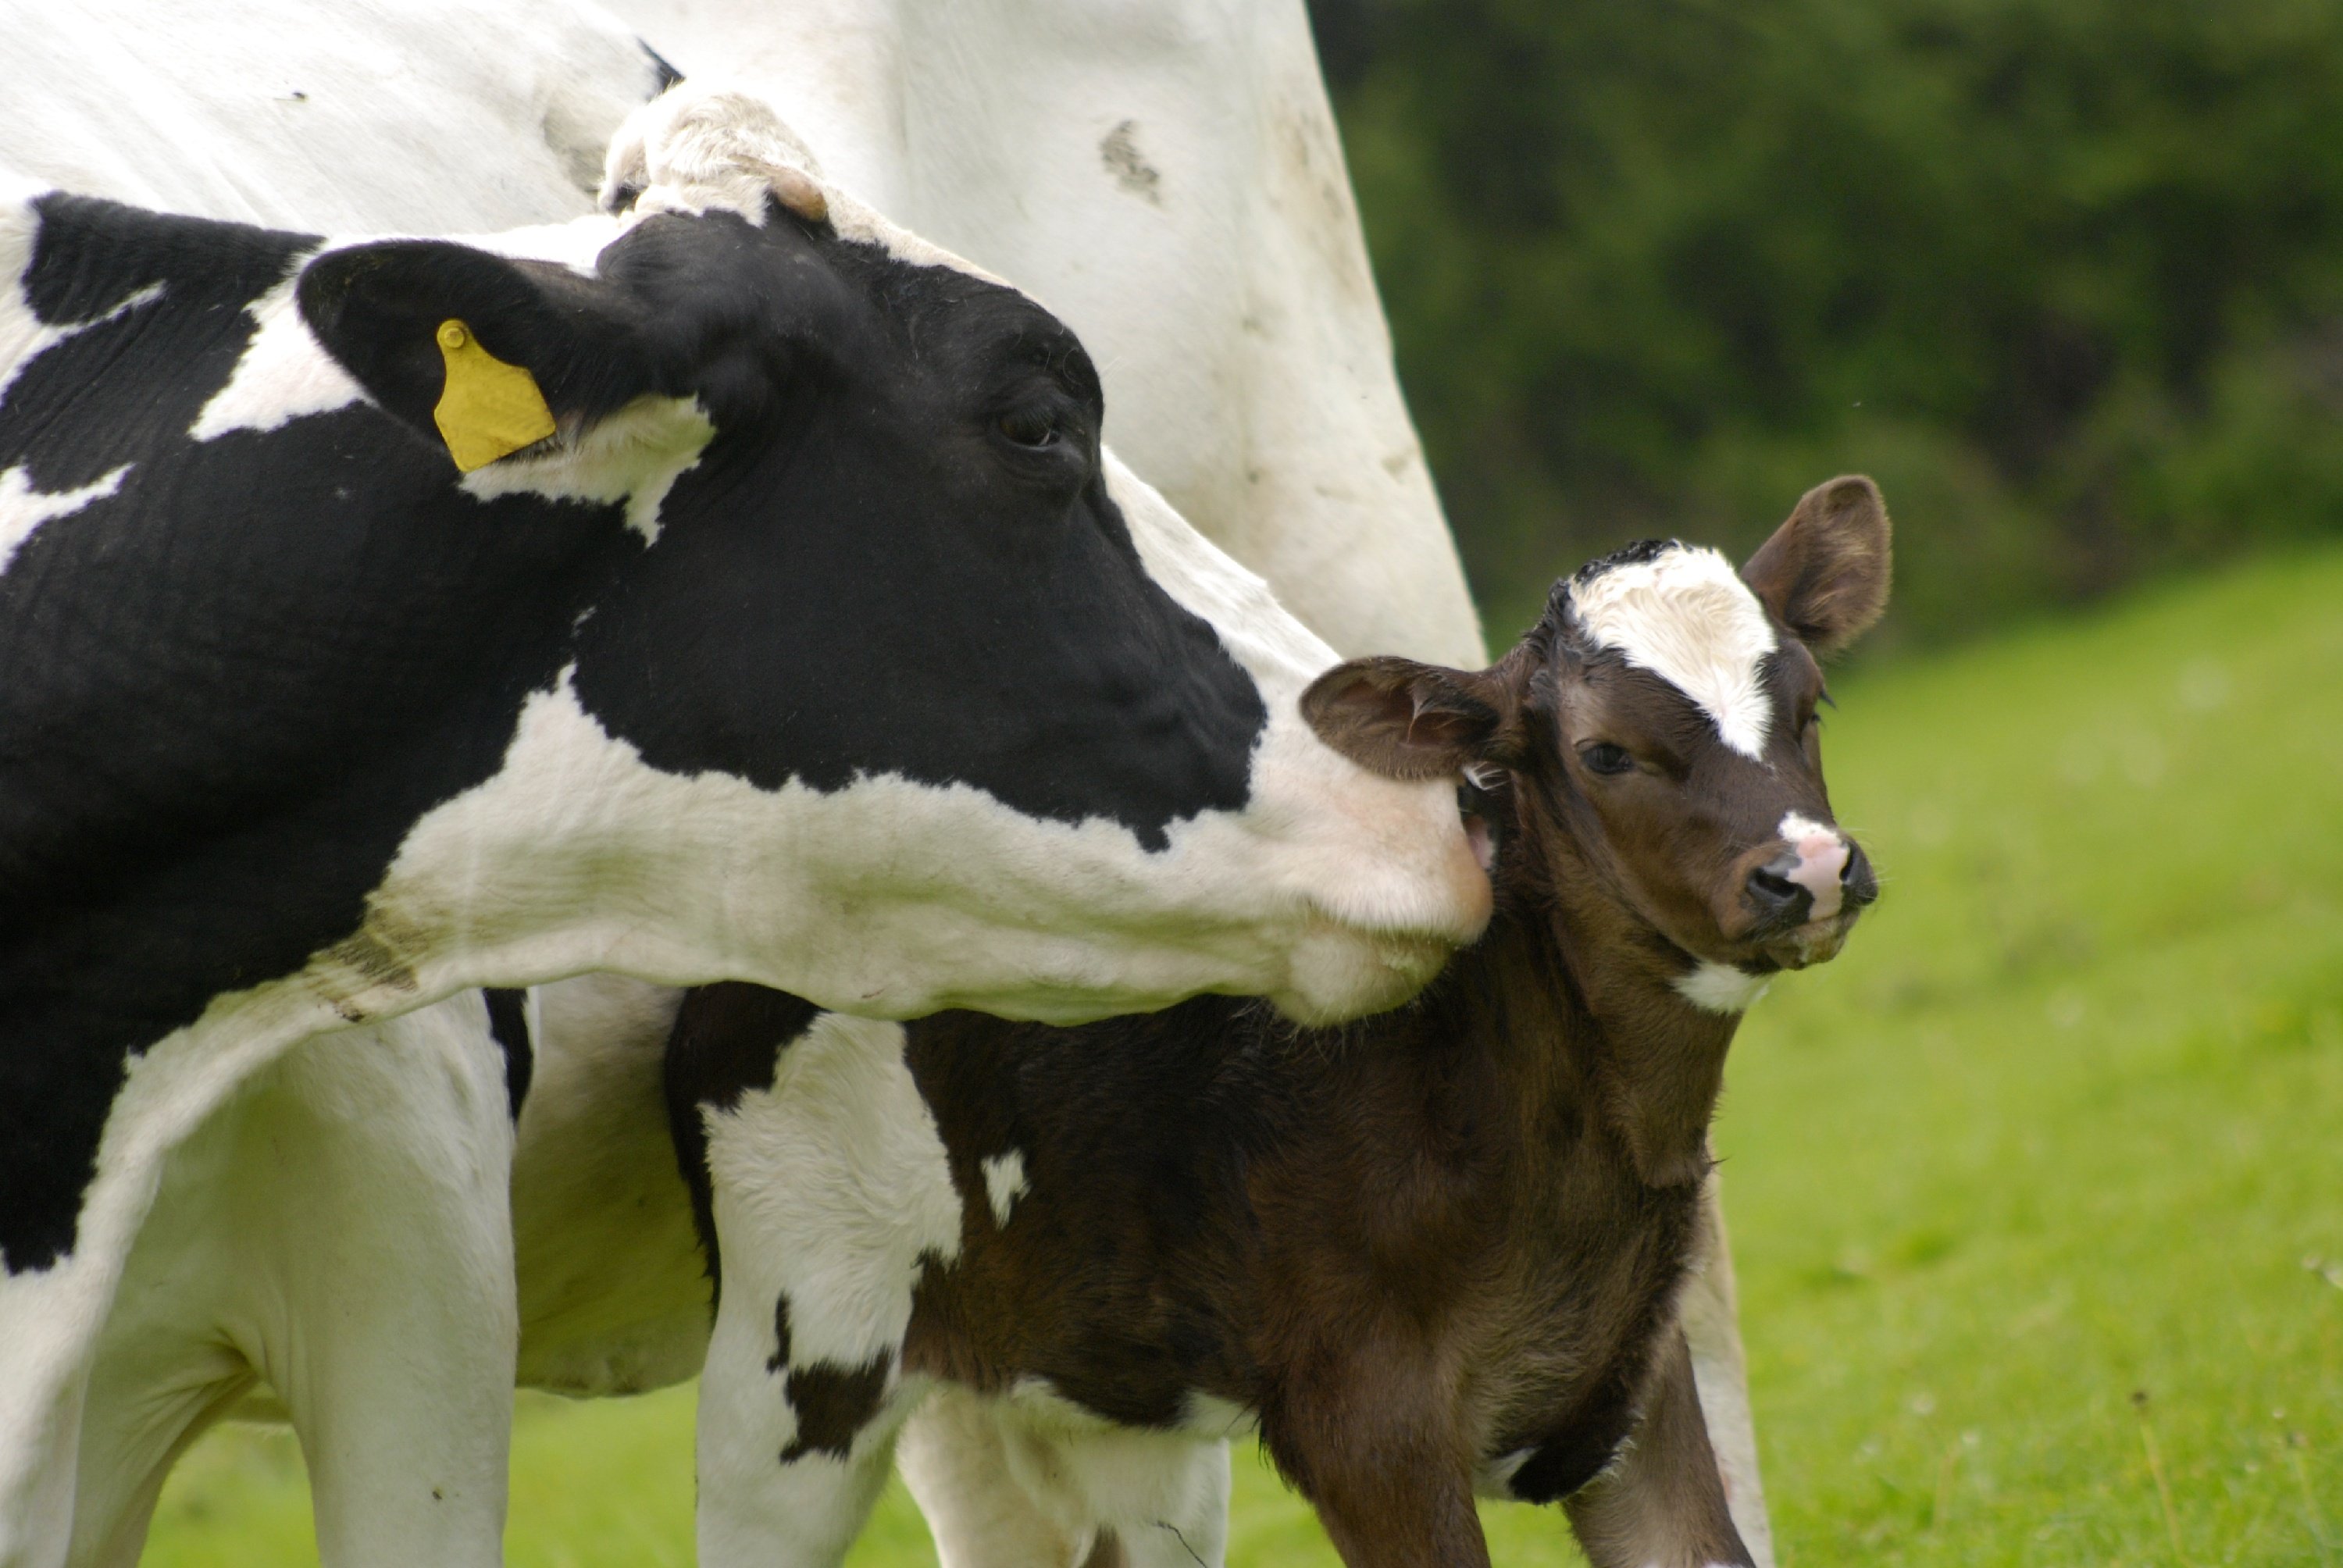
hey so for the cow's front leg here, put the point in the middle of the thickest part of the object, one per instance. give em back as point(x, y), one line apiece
point(1661, 1506)
point(372, 1235)
point(1711, 1325)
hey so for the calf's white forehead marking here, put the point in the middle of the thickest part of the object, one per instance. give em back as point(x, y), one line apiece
point(1796, 829)
point(1720, 987)
point(1004, 1183)
point(1686, 616)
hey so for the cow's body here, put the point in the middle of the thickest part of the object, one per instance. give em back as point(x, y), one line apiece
point(302, 731)
point(1166, 174)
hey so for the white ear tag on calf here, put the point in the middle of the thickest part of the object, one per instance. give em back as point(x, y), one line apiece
point(488, 408)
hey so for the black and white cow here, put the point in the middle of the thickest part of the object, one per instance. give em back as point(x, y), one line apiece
point(1432, 1252)
point(819, 643)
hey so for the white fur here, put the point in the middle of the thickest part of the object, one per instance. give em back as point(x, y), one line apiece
point(24, 509)
point(1004, 1183)
point(1686, 616)
point(1720, 987)
point(634, 457)
point(281, 377)
point(1711, 1313)
point(833, 1189)
point(429, 116)
point(1028, 1478)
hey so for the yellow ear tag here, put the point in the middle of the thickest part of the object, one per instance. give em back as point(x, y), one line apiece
point(489, 408)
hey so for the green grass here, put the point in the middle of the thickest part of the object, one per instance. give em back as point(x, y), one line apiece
point(2064, 1127)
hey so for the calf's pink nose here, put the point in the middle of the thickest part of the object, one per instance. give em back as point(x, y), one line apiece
point(1822, 862)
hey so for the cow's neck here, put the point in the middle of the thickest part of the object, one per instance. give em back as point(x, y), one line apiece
point(1590, 1010)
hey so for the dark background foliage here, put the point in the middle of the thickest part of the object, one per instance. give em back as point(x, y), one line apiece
point(2067, 276)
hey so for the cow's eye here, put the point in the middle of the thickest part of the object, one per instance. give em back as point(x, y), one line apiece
point(1604, 757)
point(1030, 428)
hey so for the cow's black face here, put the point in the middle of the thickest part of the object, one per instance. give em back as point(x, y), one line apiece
point(905, 497)
point(896, 556)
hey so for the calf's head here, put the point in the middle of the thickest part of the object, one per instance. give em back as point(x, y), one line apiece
point(879, 552)
point(1655, 740)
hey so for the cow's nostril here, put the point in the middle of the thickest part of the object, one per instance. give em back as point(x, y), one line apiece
point(1861, 884)
point(1776, 896)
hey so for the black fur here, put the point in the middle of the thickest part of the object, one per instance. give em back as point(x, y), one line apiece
point(832, 1402)
point(509, 1026)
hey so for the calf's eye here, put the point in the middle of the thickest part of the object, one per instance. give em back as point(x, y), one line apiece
point(1604, 757)
point(1029, 430)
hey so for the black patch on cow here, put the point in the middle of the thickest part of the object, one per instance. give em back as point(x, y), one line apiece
point(508, 1025)
point(663, 75)
point(832, 1402)
point(726, 1041)
point(235, 684)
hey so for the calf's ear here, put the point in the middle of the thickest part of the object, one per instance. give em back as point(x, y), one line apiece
point(1824, 572)
point(479, 351)
point(1408, 720)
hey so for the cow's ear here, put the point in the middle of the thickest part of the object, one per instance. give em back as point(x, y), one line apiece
point(1409, 720)
point(482, 352)
point(1824, 572)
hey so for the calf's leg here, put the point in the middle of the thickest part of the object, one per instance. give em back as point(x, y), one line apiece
point(955, 1458)
point(1711, 1325)
point(830, 1194)
point(1391, 1483)
point(1007, 1487)
point(1661, 1506)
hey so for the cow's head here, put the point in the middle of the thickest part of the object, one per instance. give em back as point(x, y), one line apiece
point(1655, 739)
point(878, 554)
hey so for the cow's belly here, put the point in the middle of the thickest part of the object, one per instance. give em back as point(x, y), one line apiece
point(614, 1293)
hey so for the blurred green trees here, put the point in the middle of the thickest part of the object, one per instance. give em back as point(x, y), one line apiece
point(2066, 275)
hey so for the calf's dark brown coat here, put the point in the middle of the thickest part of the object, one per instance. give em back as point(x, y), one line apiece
point(1437, 1252)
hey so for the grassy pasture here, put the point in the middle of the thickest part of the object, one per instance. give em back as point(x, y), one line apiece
point(2037, 1193)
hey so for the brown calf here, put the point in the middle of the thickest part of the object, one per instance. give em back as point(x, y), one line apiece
point(1433, 1253)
